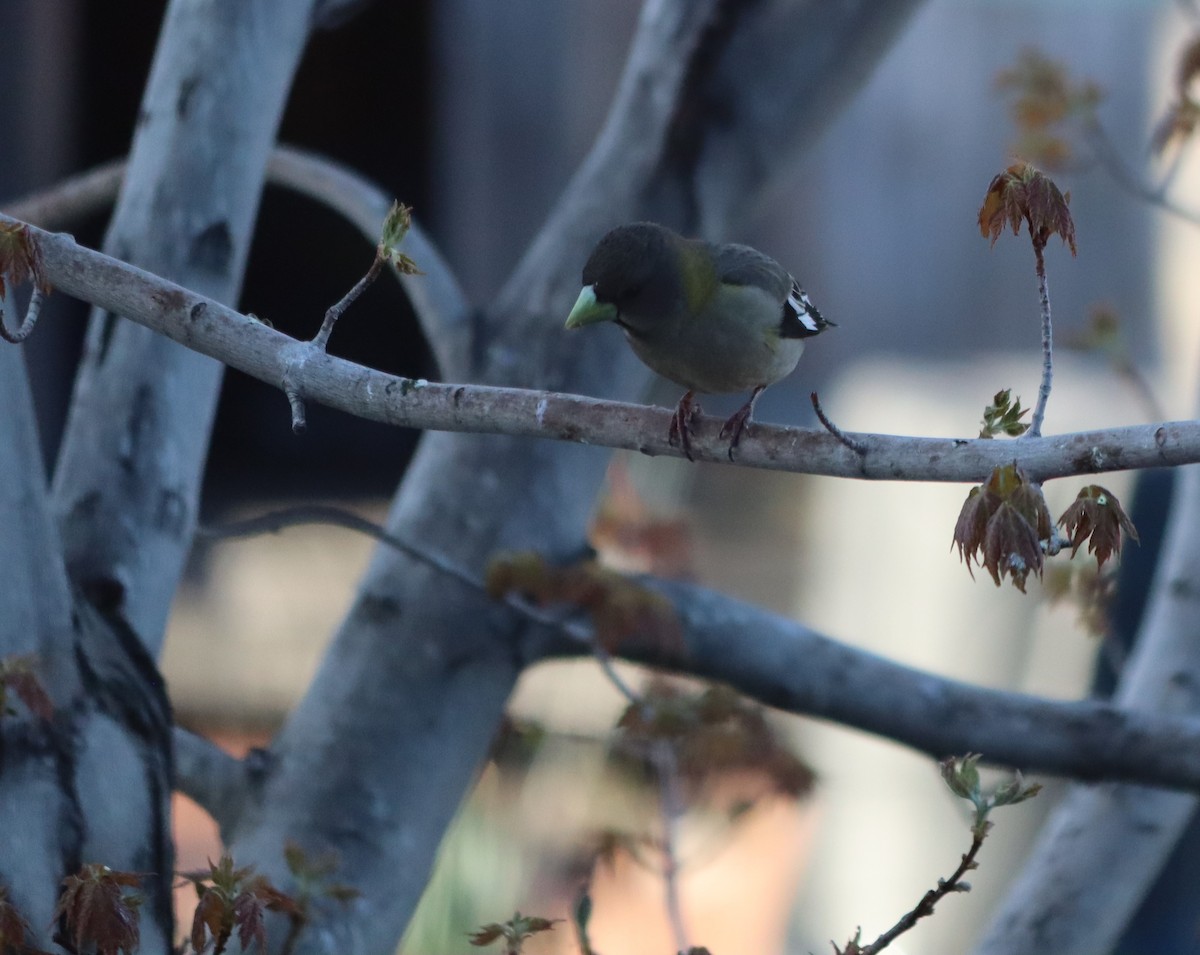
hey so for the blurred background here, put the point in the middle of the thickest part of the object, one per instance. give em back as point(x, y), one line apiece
point(476, 113)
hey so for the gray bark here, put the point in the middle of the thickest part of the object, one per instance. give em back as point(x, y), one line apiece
point(716, 100)
point(128, 474)
point(376, 757)
point(250, 346)
point(93, 784)
point(93, 781)
point(1103, 846)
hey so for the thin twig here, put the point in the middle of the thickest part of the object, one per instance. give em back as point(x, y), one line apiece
point(1109, 158)
point(930, 898)
point(440, 304)
point(296, 402)
point(667, 766)
point(855, 446)
point(1039, 411)
point(27, 323)
point(334, 312)
point(276, 521)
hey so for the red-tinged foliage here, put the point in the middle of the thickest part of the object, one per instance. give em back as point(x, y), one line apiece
point(1176, 127)
point(1023, 193)
point(314, 875)
point(99, 912)
point(232, 898)
point(1001, 526)
point(514, 931)
point(1182, 117)
point(20, 259)
point(1089, 589)
point(19, 677)
point(14, 930)
point(713, 733)
point(1096, 516)
point(1045, 101)
point(212, 919)
point(634, 537)
point(620, 608)
point(1188, 68)
point(248, 914)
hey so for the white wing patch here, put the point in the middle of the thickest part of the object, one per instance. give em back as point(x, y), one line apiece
point(799, 302)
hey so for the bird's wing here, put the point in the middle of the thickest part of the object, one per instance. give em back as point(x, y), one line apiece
point(742, 265)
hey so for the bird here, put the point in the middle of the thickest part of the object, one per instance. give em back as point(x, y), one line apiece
point(715, 319)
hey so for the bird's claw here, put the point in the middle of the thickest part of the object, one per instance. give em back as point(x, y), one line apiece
point(733, 428)
point(680, 433)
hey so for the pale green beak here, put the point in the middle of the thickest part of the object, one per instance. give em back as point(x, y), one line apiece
point(587, 311)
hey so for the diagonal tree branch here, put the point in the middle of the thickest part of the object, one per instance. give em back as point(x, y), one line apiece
point(791, 667)
point(440, 304)
point(788, 666)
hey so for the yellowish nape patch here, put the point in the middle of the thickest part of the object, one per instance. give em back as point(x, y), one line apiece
point(699, 276)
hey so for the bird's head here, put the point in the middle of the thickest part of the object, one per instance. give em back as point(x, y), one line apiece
point(629, 278)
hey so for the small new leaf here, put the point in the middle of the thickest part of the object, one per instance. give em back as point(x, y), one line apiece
point(1096, 516)
point(961, 774)
point(1002, 525)
point(99, 910)
point(232, 898)
point(395, 228)
point(1023, 193)
point(514, 931)
point(1015, 790)
point(852, 947)
point(1003, 416)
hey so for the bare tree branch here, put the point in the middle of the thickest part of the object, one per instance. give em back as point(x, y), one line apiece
point(72, 199)
point(791, 667)
point(437, 299)
point(788, 666)
point(266, 354)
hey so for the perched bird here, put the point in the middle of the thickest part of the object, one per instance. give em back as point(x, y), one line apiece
point(712, 318)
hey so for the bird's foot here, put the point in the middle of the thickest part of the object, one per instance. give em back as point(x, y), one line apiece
point(733, 428)
point(680, 433)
